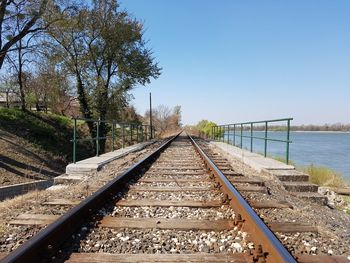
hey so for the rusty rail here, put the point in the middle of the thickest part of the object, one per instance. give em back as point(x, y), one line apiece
point(49, 239)
point(269, 249)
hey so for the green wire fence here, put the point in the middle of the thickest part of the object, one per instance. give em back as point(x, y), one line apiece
point(236, 130)
point(134, 131)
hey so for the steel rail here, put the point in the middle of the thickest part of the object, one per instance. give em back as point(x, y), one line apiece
point(260, 233)
point(48, 240)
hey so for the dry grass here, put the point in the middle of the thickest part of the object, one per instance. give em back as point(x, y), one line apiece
point(324, 176)
point(3, 229)
point(169, 133)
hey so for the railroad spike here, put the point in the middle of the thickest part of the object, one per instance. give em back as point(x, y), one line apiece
point(238, 221)
point(218, 185)
point(258, 255)
point(225, 199)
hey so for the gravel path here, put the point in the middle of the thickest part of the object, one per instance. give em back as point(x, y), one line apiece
point(174, 212)
point(176, 196)
point(164, 241)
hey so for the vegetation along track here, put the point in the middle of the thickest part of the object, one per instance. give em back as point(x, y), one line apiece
point(175, 205)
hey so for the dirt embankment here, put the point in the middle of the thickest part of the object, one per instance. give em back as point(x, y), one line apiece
point(21, 161)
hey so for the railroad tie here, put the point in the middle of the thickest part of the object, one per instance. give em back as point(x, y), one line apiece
point(150, 258)
point(142, 188)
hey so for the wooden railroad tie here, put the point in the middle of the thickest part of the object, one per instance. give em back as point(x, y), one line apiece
point(251, 188)
point(270, 204)
point(61, 202)
point(203, 173)
point(162, 223)
point(167, 203)
point(169, 180)
point(199, 257)
point(182, 203)
point(175, 169)
point(243, 188)
point(149, 258)
point(141, 188)
point(246, 180)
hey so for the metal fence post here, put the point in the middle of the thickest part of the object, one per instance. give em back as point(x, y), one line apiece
point(288, 135)
point(265, 149)
point(131, 130)
point(74, 139)
point(137, 133)
point(251, 137)
point(246, 130)
point(234, 134)
point(241, 136)
point(228, 134)
point(98, 138)
point(123, 135)
point(142, 133)
point(222, 129)
point(113, 134)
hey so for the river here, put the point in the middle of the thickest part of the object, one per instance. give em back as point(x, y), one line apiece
point(328, 149)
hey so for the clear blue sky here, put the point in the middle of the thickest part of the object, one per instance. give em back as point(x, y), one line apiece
point(241, 60)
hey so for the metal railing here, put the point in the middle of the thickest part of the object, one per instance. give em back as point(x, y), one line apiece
point(143, 133)
point(237, 130)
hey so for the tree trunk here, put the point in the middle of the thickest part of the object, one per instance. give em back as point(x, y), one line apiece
point(102, 105)
point(7, 99)
point(21, 87)
point(20, 77)
point(84, 106)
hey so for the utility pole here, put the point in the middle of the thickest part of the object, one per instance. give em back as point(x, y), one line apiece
point(150, 113)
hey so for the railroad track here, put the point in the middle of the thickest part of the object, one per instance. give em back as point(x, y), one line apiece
point(178, 204)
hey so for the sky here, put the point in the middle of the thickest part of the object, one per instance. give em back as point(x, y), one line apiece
point(244, 60)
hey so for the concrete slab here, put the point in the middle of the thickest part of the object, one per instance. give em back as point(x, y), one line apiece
point(254, 160)
point(78, 171)
point(56, 187)
point(10, 191)
point(292, 180)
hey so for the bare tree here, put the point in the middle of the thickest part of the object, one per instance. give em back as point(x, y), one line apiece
point(165, 119)
point(28, 12)
point(8, 86)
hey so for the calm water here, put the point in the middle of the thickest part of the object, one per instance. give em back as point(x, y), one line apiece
point(321, 149)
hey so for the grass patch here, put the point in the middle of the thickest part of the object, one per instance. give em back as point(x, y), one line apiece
point(47, 131)
point(347, 204)
point(3, 229)
point(323, 176)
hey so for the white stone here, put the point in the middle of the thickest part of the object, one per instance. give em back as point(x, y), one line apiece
point(124, 238)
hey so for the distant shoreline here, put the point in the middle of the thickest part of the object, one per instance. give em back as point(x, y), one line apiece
point(324, 131)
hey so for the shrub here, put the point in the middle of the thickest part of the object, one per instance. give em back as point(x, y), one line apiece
point(324, 176)
point(205, 127)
